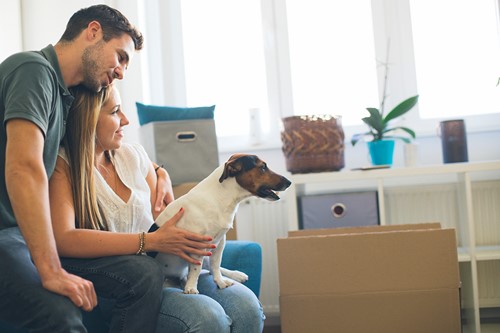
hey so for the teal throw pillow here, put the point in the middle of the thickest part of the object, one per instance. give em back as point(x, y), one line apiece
point(149, 113)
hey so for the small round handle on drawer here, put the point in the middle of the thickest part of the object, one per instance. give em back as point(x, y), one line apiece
point(338, 210)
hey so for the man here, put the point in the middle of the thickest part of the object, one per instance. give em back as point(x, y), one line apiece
point(35, 291)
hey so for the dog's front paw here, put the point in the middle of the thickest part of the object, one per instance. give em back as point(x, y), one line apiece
point(191, 287)
point(191, 290)
point(223, 283)
point(239, 276)
point(235, 275)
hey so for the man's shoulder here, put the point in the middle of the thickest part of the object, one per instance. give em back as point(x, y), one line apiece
point(28, 58)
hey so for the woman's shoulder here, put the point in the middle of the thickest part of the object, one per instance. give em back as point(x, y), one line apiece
point(133, 155)
point(134, 149)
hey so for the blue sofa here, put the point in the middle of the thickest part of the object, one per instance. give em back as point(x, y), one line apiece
point(243, 256)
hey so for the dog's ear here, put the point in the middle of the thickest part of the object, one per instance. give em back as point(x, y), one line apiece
point(236, 164)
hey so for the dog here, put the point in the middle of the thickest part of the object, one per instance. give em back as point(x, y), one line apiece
point(209, 209)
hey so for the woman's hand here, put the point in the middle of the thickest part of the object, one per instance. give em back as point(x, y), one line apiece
point(171, 239)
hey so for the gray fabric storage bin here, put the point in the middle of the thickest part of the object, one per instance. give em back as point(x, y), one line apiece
point(186, 148)
point(338, 210)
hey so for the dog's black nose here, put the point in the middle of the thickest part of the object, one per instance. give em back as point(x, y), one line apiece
point(285, 182)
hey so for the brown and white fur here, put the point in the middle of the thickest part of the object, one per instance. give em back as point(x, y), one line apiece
point(209, 209)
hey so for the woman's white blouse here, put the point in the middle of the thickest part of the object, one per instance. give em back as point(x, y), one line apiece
point(132, 164)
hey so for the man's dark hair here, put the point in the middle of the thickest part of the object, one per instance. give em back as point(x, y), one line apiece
point(114, 24)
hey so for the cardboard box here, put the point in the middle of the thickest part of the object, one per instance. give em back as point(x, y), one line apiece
point(387, 279)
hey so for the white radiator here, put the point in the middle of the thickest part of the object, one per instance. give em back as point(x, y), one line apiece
point(264, 222)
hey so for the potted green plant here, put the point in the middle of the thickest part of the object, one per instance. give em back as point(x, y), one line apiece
point(381, 146)
point(382, 131)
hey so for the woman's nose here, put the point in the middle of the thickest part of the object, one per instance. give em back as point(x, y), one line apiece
point(124, 120)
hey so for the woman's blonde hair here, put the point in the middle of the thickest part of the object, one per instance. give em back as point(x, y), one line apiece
point(79, 144)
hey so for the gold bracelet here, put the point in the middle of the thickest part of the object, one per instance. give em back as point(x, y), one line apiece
point(142, 243)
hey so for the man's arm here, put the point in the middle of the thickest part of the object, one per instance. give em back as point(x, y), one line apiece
point(164, 193)
point(27, 186)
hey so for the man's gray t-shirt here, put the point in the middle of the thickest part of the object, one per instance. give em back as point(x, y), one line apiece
point(32, 88)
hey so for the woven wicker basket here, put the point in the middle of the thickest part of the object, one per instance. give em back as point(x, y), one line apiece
point(313, 143)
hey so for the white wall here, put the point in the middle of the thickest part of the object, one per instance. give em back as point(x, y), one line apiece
point(10, 28)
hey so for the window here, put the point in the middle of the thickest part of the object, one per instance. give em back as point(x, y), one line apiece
point(224, 61)
point(332, 55)
point(294, 57)
point(457, 62)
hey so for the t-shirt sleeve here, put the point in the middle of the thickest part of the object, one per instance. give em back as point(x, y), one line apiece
point(29, 94)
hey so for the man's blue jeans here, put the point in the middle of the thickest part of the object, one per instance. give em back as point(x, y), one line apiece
point(133, 282)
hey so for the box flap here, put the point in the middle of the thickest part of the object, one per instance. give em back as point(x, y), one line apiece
point(364, 229)
point(368, 262)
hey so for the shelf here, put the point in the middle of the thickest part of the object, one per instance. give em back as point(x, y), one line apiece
point(463, 255)
point(487, 253)
point(431, 170)
point(482, 253)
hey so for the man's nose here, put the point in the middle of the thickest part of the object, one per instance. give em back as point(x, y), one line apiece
point(119, 72)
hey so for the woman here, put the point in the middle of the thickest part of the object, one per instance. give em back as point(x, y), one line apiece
point(108, 188)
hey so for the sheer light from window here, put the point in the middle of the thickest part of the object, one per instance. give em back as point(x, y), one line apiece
point(224, 60)
point(332, 55)
point(457, 56)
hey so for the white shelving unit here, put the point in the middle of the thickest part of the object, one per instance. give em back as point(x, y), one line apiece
point(464, 196)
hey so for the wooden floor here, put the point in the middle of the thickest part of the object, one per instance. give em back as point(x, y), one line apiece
point(274, 327)
point(485, 328)
point(490, 328)
point(272, 324)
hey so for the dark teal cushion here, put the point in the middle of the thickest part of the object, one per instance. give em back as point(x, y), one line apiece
point(149, 113)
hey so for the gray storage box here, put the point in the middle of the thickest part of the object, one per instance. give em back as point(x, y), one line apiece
point(338, 210)
point(186, 148)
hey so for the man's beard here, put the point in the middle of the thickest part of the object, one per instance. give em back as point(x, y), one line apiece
point(91, 67)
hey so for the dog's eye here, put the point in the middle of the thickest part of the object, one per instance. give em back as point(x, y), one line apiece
point(263, 168)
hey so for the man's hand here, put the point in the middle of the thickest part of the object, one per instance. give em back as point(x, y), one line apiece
point(171, 239)
point(164, 191)
point(80, 291)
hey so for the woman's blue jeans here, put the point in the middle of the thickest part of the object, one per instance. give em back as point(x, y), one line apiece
point(235, 309)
